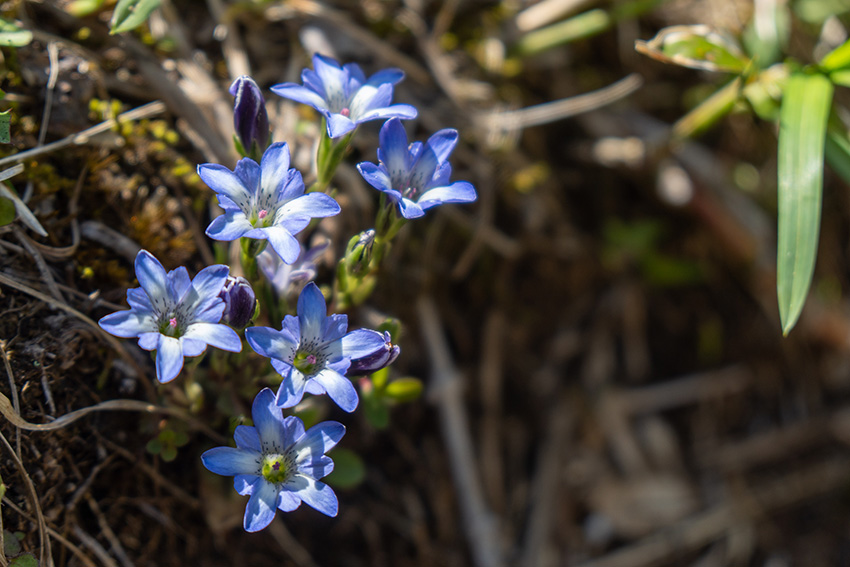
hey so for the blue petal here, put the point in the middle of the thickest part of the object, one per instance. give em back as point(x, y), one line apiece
point(317, 468)
point(192, 347)
point(206, 286)
point(368, 98)
point(356, 77)
point(293, 186)
point(294, 430)
point(283, 243)
point(311, 205)
point(287, 501)
point(362, 342)
point(330, 73)
point(215, 334)
point(229, 226)
point(152, 278)
point(139, 300)
point(248, 172)
point(403, 111)
point(222, 180)
point(339, 125)
point(311, 313)
point(272, 343)
point(317, 441)
point(178, 282)
point(409, 209)
point(314, 388)
point(275, 168)
point(457, 192)
point(246, 437)
point(443, 143)
point(300, 94)
point(149, 340)
point(291, 389)
point(127, 324)
point(314, 493)
point(334, 327)
point(228, 461)
point(244, 483)
point(375, 175)
point(268, 420)
point(261, 506)
point(169, 359)
point(390, 75)
point(339, 388)
point(394, 152)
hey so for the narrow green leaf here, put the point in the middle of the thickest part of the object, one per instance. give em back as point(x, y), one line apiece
point(802, 133)
point(840, 77)
point(404, 389)
point(836, 59)
point(838, 151)
point(82, 8)
point(7, 211)
point(697, 47)
point(130, 14)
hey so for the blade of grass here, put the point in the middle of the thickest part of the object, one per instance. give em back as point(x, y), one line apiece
point(802, 132)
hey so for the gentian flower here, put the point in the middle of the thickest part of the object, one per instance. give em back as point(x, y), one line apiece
point(416, 177)
point(250, 119)
point(287, 279)
point(265, 201)
point(313, 352)
point(240, 302)
point(382, 357)
point(344, 96)
point(277, 463)
point(173, 315)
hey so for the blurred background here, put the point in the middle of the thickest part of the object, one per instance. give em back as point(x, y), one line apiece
point(606, 381)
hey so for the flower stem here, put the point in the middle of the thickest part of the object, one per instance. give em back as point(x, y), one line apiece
point(328, 157)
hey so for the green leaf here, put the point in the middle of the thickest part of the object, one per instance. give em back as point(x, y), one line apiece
point(840, 77)
point(404, 389)
point(838, 151)
point(697, 47)
point(349, 470)
point(25, 560)
point(81, 8)
point(11, 35)
point(802, 134)
point(836, 59)
point(154, 446)
point(7, 211)
point(130, 14)
point(5, 134)
point(11, 544)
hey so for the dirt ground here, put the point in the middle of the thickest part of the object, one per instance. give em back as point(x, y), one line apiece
point(606, 381)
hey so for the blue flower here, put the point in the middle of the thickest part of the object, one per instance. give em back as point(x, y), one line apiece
point(416, 177)
point(382, 357)
point(313, 352)
point(250, 119)
point(265, 201)
point(288, 279)
point(173, 315)
point(240, 302)
point(345, 96)
point(277, 463)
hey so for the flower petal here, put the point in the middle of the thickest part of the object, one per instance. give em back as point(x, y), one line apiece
point(339, 125)
point(268, 420)
point(153, 279)
point(314, 493)
point(334, 327)
point(228, 461)
point(222, 180)
point(275, 168)
point(244, 483)
point(287, 501)
point(291, 389)
point(300, 94)
point(394, 152)
point(312, 310)
point(229, 226)
point(127, 324)
point(313, 205)
point(457, 192)
point(319, 467)
point(215, 334)
point(339, 388)
point(409, 209)
point(283, 242)
point(192, 347)
point(443, 143)
point(261, 506)
point(375, 175)
point(178, 282)
point(169, 359)
point(272, 343)
point(246, 437)
point(362, 342)
point(317, 441)
point(391, 76)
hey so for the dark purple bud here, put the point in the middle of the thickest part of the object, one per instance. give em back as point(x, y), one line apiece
point(249, 114)
point(240, 303)
point(381, 358)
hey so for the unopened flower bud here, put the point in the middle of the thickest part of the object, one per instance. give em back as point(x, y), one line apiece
point(380, 358)
point(240, 303)
point(249, 115)
point(359, 251)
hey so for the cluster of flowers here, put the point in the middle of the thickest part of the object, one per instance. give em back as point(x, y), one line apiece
point(276, 461)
